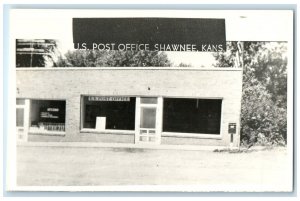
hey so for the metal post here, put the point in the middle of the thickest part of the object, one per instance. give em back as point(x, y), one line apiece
point(231, 140)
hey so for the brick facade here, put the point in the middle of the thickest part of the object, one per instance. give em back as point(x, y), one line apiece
point(71, 83)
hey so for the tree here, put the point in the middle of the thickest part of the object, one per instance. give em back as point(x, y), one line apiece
point(96, 58)
point(228, 57)
point(264, 98)
point(261, 122)
point(184, 65)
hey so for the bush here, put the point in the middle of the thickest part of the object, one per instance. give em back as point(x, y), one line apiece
point(262, 121)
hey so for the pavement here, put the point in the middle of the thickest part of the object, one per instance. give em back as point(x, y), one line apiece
point(49, 166)
point(122, 145)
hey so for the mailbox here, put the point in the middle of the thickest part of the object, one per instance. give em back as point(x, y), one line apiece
point(232, 128)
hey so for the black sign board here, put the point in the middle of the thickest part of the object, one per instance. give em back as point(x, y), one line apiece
point(232, 128)
point(52, 114)
point(158, 34)
point(108, 98)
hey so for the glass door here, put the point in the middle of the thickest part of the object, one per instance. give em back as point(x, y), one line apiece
point(22, 119)
point(148, 121)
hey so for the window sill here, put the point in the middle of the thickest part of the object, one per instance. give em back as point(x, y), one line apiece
point(44, 132)
point(192, 135)
point(117, 132)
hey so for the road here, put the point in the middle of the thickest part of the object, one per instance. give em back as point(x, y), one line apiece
point(75, 166)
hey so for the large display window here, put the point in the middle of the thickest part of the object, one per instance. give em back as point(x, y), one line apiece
point(47, 115)
point(108, 113)
point(187, 115)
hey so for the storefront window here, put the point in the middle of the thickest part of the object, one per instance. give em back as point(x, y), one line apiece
point(108, 112)
point(47, 115)
point(185, 115)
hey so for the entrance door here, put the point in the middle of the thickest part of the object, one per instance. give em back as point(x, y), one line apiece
point(148, 121)
point(22, 119)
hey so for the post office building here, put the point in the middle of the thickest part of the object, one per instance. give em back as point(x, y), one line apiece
point(153, 106)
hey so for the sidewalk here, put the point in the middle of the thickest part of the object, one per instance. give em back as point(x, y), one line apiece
point(122, 145)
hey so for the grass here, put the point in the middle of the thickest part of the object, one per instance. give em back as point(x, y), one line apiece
point(249, 150)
